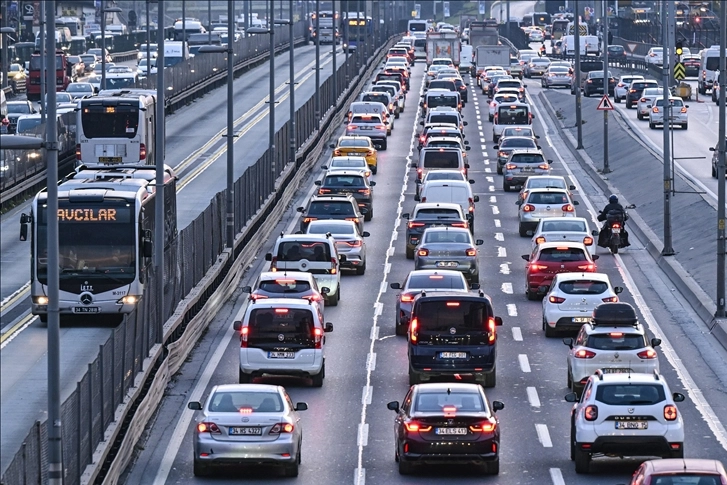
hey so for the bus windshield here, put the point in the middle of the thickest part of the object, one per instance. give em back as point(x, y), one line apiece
point(94, 240)
point(35, 63)
point(110, 121)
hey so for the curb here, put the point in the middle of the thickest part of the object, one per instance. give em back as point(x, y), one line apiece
point(698, 299)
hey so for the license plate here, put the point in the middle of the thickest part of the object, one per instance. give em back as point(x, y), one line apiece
point(453, 355)
point(109, 159)
point(615, 370)
point(581, 319)
point(616, 230)
point(447, 264)
point(365, 128)
point(526, 169)
point(86, 309)
point(246, 431)
point(281, 355)
point(632, 424)
point(450, 431)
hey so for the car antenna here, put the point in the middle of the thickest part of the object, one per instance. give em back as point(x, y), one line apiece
point(449, 391)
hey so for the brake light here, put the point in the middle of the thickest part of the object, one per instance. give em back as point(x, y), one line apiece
point(78, 151)
point(314, 297)
point(591, 413)
point(484, 427)
point(352, 127)
point(334, 262)
point(414, 427)
point(354, 244)
point(415, 224)
point(584, 354)
point(684, 109)
point(621, 85)
point(589, 81)
point(324, 191)
point(282, 428)
point(510, 166)
point(364, 191)
point(491, 330)
point(556, 299)
point(413, 329)
point(528, 208)
point(471, 252)
point(587, 241)
point(424, 199)
point(273, 264)
point(460, 224)
point(643, 100)
point(590, 267)
point(406, 297)
point(655, 109)
point(205, 427)
point(255, 297)
point(380, 127)
point(337, 152)
point(615, 225)
point(632, 90)
point(537, 267)
point(423, 252)
point(317, 337)
point(244, 333)
point(567, 208)
point(142, 151)
point(647, 354)
point(539, 240)
point(493, 104)
point(670, 412)
point(245, 410)
point(422, 138)
point(610, 299)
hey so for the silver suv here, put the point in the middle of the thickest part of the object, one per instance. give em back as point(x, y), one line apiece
point(371, 125)
point(521, 164)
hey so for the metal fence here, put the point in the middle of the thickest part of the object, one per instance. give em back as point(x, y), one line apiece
point(88, 411)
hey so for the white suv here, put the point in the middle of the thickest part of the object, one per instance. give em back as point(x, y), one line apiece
point(625, 415)
point(282, 336)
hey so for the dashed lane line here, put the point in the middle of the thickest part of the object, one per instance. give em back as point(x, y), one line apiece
point(533, 398)
point(517, 334)
point(543, 435)
point(524, 363)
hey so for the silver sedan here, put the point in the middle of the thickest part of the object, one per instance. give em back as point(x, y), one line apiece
point(247, 424)
point(349, 241)
point(449, 248)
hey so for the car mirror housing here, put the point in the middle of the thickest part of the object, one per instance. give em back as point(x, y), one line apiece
point(497, 406)
point(237, 325)
point(525, 257)
point(655, 342)
point(365, 234)
point(393, 405)
point(618, 289)
point(247, 289)
point(194, 405)
point(329, 327)
point(678, 397)
point(395, 286)
point(268, 257)
point(498, 321)
point(571, 397)
point(595, 257)
point(568, 342)
point(301, 406)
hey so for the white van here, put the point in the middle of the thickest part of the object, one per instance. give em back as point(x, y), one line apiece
point(175, 52)
point(451, 191)
point(511, 115)
point(568, 47)
point(708, 68)
point(592, 45)
point(465, 58)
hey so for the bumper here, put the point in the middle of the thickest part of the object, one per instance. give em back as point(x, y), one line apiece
point(222, 453)
point(73, 307)
point(453, 453)
point(354, 258)
point(558, 82)
point(676, 120)
point(469, 270)
point(427, 364)
point(634, 445)
point(581, 369)
point(534, 281)
point(307, 362)
point(564, 320)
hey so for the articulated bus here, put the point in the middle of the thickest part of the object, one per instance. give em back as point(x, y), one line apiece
point(327, 25)
point(356, 29)
point(105, 229)
point(117, 128)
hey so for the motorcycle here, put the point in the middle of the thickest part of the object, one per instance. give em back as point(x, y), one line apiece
point(613, 235)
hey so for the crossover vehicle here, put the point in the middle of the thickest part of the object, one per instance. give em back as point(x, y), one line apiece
point(440, 159)
point(551, 258)
point(540, 204)
point(571, 229)
point(522, 164)
point(287, 284)
point(358, 146)
point(449, 248)
point(511, 116)
point(348, 163)
point(646, 102)
point(676, 114)
point(370, 125)
point(536, 67)
point(349, 242)
point(636, 89)
point(507, 145)
point(556, 76)
point(355, 183)
point(622, 87)
point(428, 214)
point(372, 108)
point(343, 206)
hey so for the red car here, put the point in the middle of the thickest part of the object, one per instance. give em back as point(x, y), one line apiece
point(549, 259)
point(680, 470)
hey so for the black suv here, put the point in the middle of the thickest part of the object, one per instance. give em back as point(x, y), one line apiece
point(341, 207)
point(594, 84)
point(350, 182)
point(637, 89)
point(451, 334)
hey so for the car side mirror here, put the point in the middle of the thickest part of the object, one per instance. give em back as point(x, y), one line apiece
point(247, 289)
point(471, 181)
point(395, 286)
point(268, 257)
point(365, 234)
point(571, 187)
point(594, 233)
point(417, 197)
point(571, 397)
point(317, 182)
point(526, 257)
point(496, 147)
point(537, 137)
point(324, 167)
point(568, 342)
point(618, 289)
point(342, 258)
point(497, 406)
point(550, 162)
point(543, 288)
point(464, 123)
point(332, 145)
point(194, 405)
point(678, 397)
point(476, 198)
point(237, 325)
point(575, 202)
point(405, 215)
point(301, 406)
point(475, 286)
point(466, 165)
point(421, 123)
point(466, 142)
point(498, 321)
point(711, 149)
point(479, 242)
point(325, 290)
point(655, 342)
point(595, 257)
point(300, 209)
point(394, 406)
point(147, 244)
point(372, 183)
point(329, 327)
point(467, 148)
point(364, 211)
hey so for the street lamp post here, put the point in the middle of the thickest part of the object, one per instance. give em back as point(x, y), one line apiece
point(42, 62)
point(159, 158)
point(722, 147)
point(6, 62)
point(292, 85)
point(318, 61)
point(334, 72)
point(577, 80)
point(104, 11)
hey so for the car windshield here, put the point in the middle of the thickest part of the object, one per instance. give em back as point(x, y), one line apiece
point(563, 226)
point(562, 255)
point(245, 402)
point(518, 143)
point(548, 198)
point(324, 209)
point(22, 108)
point(435, 401)
point(79, 88)
point(630, 394)
point(443, 159)
point(583, 287)
point(439, 236)
point(353, 142)
point(27, 124)
point(616, 341)
point(464, 316)
point(435, 282)
point(284, 285)
point(344, 181)
point(437, 118)
point(323, 228)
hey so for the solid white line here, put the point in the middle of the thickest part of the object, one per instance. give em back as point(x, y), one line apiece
point(501, 252)
point(557, 476)
point(533, 398)
point(517, 334)
point(512, 311)
point(507, 288)
point(543, 435)
point(13, 294)
point(524, 364)
point(359, 476)
point(499, 236)
point(378, 308)
point(366, 395)
point(390, 251)
point(498, 223)
point(383, 287)
point(363, 434)
point(374, 333)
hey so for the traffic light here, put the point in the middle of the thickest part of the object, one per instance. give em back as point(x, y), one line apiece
point(679, 49)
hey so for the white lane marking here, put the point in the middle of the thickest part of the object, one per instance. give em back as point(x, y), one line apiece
point(483, 147)
point(695, 394)
point(477, 114)
point(557, 476)
point(543, 435)
point(383, 287)
point(378, 309)
point(498, 223)
point(482, 140)
point(374, 333)
point(359, 476)
point(524, 364)
point(387, 267)
point(493, 199)
point(363, 434)
point(479, 122)
point(512, 311)
point(486, 162)
point(499, 236)
point(367, 395)
point(371, 361)
point(495, 210)
point(533, 398)
point(505, 268)
point(17, 332)
point(20, 290)
point(390, 251)
point(490, 180)
point(506, 288)
point(501, 252)
point(517, 334)
point(489, 170)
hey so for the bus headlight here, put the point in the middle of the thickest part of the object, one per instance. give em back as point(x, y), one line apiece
point(40, 300)
point(129, 300)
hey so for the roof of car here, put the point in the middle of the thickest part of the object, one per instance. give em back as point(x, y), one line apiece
point(276, 275)
point(247, 387)
point(541, 190)
point(444, 386)
point(686, 464)
point(565, 219)
point(353, 137)
point(630, 378)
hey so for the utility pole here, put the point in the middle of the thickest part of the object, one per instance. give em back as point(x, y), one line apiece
point(271, 129)
point(318, 61)
point(55, 444)
point(507, 21)
point(334, 73)
point(577, 80)
point(606, 79)
point(721, 167)
point(159, 158)
point(230, 126)
point(667, 17)
point(292, 84)
point(43, 77)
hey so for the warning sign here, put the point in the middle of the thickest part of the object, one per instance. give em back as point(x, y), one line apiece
point(605, 104)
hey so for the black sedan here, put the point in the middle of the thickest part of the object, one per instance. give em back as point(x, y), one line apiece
point(447, 423)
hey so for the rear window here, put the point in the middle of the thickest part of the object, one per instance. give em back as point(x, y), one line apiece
point(446, 159)
point(443, 144)
point(441, 100)
point(460, 237)
point(366, 119)
point(390, 90)
point(317, 228)
point(464, 316)
point(548, 198)
point(629, 395)
point(446, 194)
point(434, 402)
point(444, 175)
point(256, 402)
point(420, 43)
point(562, 255)
point(298, 250)
point(379, 98)
point(354, 142)
point(544, 183)
point(439, 282)
point(437, 213)
point(563, 226)
point(527, 158)
point(442, 85)
point(282, 327)
point(284, 285)
point(508, 84)
point(641, 85)
point(361, 163)
point(507, 115)
point(344, 181)
point(616, 341)
point(516, 143)
point(439, 118)
point(583, 287)
point(332, 208)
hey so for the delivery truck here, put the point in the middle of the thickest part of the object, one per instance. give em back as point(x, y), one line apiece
point(491, 55)
point(443, 44)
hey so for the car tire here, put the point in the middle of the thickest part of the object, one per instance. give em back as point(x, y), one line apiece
point(200, 469)
point(617, 100)
point(490, 118)
point(505, 186)
point(409, 253)
point(629, 105)
point(492, 467)
point(317, 379)
point(405, 467)
point(714, 172)
point(499, 169)
point(532, 295)
point(361, 269)
point(569, 380)
point(375, 169)
point(369, 215)
point(522, 230)
point(384, 144)
point(490, 379)
point(494, 138)
point(639, 116)
point(652, 125)
point(549, 331)
point(572, 444)
point(586, 94)
point(400, 328)
point(583, 461)
point(333, 301)
point(685, 126)
point(290, 470)
point(244, 378)
point(396, 115)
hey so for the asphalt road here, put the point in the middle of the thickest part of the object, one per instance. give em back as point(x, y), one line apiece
point(23, 356)
point(348, 432)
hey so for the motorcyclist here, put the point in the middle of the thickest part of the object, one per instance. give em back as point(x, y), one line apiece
point(612, 206)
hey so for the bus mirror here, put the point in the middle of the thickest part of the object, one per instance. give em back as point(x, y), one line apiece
point(147, 245)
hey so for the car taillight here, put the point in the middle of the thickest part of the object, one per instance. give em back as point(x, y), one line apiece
point(380, 127)
point(493, 104)
point(655, 109)
point(556, 299)
point(587, 241)
point(78, 151)
point(364, 191)
point(257, 297)
point(318, 338)
point(413, 331)
point(337, 152)
point(491, 330)
point(537, 267)
point(590, 267)
point(142, 152)
point(502, 154)
point(670, 412)
point(354, 219)
point(567, 208)
point(423, 199)
point(273, 264)
point(589, 81)
point(422, 139)
point(484, 427)
point(643, 100)
point(334, 262)
point(352, 127)
point(354, 244)
point(306, 220)
point(591, 413)
point(610, 299)
point(471, 252)
point(282, 428)
point(647, 354)
point(684, 109)
point(632, 90)
point(324, 191)
point(460, 224)
point(413, 427)
point(620, 85)
point(539, 240)
point(584, 354)
point(415, 224)
point(407, 297)
point(244, 333)
point(423, 252)
point(206, 427)
point(510, 166)
point(528, 208)
point(314, 297)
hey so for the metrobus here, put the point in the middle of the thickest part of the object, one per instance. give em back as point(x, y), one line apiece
point(327, 25)
point(106, 222)
point(357, 28)
point(73, 23)
point(541, 19)
point(418, 27)
point(117, 128)
point(560, 28)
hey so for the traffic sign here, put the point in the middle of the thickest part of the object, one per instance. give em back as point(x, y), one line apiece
point(28, 11)
point(605, 104)
point(632, 47)
point(679, 71)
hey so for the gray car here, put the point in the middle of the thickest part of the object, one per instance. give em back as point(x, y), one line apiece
point(370, 125)
point(506, 145)
point(247, 424)
point(522, 164)
point(449, 248)
point(349, 242)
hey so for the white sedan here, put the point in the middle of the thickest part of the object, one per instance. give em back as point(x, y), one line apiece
point(622, 87)
point(566, 229)
point(501, 98)
point(678, 115)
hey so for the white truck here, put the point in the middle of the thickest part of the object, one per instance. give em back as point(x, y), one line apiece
point(443, 44)
point(491, 55)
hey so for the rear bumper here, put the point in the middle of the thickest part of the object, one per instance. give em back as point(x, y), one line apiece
point(632, 445)
point(234, 453)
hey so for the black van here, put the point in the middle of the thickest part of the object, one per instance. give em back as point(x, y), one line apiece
point(453, 334)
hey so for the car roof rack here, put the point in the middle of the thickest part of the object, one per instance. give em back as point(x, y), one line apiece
point(615, 315)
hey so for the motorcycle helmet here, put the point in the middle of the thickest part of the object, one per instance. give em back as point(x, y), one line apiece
point(613, 199)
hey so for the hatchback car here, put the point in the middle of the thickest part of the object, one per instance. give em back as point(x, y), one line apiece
point(247, 424)
point(594, 84)
point(549, 259)
point(544, 182)
point(625, 415)
point(287, 284)
point(498, 99)
point(646, 102)
point(571, 299)
point(395, 105)
point(556, 76)
point(507, 145)
point(348, 163)
point(349, 242)
point(536, 67)
point(673, 471)
point(622, 87)
point(522, 164)
point(350, 182)
point(519, 131)
point(540, 204)
point(428, 214)
point(369, 125)
point(357, 146)
point(447, 424)
point(449, 248)
point(613, 341)
point(342, 207)
point(429, 281)
point(571, 229)
point(678, 115)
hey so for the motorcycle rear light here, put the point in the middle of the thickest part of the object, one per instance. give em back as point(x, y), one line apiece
point(591, 413)
point(615, 225)
point(556, 299)
point(423, 252)
point(647, 354)
point(471, 252)
point(244, 333)
point(206, 427)
point(528, 208)
point(282, 428)
point(414, 427)
point(610, 299)
point(584, 354)
point(670, 412)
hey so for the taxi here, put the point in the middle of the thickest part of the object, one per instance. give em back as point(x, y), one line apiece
point(357, 146)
